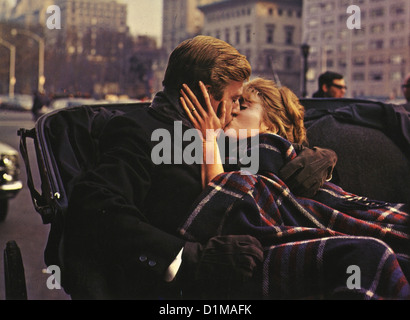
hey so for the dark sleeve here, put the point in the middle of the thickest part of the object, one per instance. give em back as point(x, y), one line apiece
point(105, 221)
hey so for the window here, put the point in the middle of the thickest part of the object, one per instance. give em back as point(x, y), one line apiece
point(270, 29)
point(397, 43)
point(342, 34)
point(376, 44)
point(358, 76)
point(342, 63)
point(397, 9)
point(248, 54)
point(327, 35)
point(396, 59)
point(359, 61)
point(289, 31)
point(288, 61)
point(248, 34)
point(238, 35)
point(329, 6)
point(328, 20)
point(377, 12)
point(330, 63)
point(359, 32)
point(314, 9)
point(376, 76)
point(376, 59)
point(377, 28)
point(227, 35)
point(313, 23)
point(397, 26)
point(396, 76)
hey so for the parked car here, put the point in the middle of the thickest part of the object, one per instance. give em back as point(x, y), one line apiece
point(62, 103)
point(19, 102)
point(10, 185)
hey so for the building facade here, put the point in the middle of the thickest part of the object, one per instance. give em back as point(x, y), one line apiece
point(88, 49)
point(267, 32)
point(182, 20)
point(373, 53)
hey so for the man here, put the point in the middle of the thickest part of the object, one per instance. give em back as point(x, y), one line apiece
point(406, 88)
point(331, 85)
point(120, 231)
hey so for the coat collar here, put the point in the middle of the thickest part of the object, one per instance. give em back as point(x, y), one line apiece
point(166, 105)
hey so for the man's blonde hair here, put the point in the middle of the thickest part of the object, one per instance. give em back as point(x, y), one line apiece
point(282, 112)
point(206, 59)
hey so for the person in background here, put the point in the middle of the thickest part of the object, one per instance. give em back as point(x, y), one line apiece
point(406, 88)
point(40, 101)
point(331, 85)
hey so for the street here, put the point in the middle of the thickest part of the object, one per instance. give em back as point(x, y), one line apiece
point(23, 224)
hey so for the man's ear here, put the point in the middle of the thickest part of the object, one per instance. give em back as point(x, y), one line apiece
point(325, 88)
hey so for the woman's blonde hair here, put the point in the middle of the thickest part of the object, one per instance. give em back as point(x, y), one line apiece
point(283, 114)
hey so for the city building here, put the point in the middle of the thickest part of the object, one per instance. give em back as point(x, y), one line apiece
point(87, 43)
point(181, 20)
point(268, 32)
point(82, 14)
point(80, 20)
point(30, 12)
point(368, 43)
point(5, 10)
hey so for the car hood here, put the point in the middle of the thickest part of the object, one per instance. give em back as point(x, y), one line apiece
point(6, 149)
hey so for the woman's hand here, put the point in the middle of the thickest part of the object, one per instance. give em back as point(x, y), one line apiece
point(205, 120)
point(209, 124)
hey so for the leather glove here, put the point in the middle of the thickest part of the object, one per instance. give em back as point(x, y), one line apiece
point(305, 174)
point(221, 266)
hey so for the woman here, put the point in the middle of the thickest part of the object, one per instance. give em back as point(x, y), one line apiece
point(311, 244)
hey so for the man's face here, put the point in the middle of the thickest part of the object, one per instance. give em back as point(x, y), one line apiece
point(250, 116)
point(232, 94)
point(336, 90)
point(406, 89)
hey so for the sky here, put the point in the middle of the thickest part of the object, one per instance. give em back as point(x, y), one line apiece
point(145, 17)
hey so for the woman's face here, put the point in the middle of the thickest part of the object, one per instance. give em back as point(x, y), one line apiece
point(249, 118)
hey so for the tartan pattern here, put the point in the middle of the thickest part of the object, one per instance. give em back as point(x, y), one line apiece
point(309, 243)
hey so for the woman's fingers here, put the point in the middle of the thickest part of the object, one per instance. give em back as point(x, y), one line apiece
point(202, 118)
point(193, 99)
point(207, 98)
point(188, 111)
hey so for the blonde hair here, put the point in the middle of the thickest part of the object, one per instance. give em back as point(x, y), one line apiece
point(206, 59)
point(282, 112)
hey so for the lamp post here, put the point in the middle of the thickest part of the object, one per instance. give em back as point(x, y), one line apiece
point(41, 46)
point(12, 70)
point(305, 48)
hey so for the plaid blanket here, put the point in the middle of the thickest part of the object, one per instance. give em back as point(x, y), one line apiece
point(335, 246)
